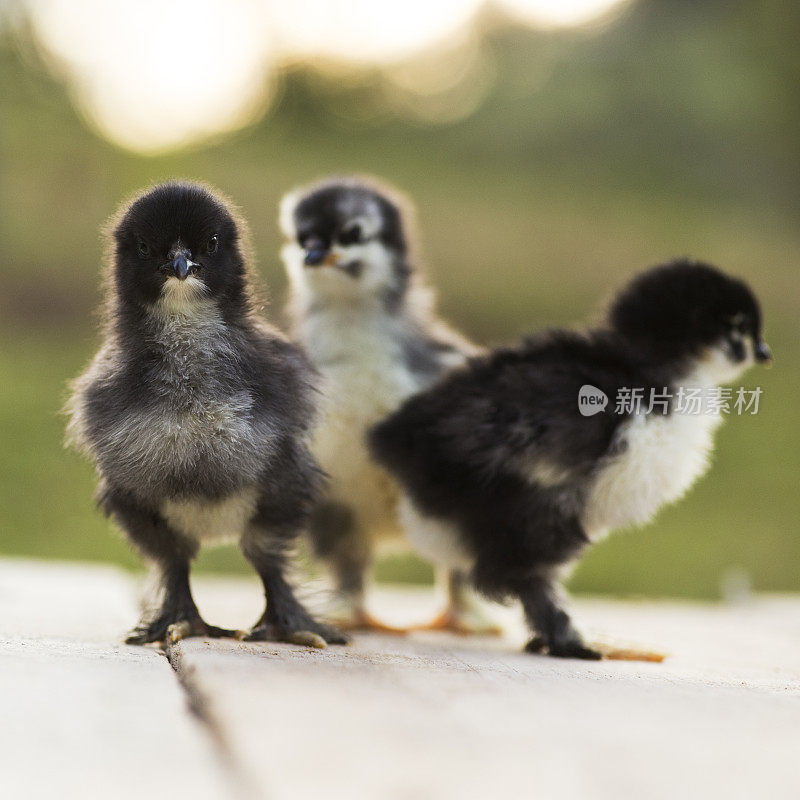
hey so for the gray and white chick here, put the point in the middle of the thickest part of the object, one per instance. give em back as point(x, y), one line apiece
point(196, 413)
point(368, 324)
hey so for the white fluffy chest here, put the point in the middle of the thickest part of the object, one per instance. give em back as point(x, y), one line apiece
point(360, 356)
point(436, 540)
point(364, 378)
point(662, 457)
point(219, 521)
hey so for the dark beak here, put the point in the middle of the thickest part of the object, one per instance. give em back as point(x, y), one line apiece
point(762, 352)
point(180, 265)
point(315, 251)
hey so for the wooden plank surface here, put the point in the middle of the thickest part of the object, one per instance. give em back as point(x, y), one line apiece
point(84, 716)
point(423, 716)
point(440, 717)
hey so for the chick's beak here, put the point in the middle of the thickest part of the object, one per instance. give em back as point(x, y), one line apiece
point(181, 264)
point(762, 352)
point(316, 251)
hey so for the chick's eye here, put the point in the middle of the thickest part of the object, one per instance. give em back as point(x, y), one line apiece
point(351, 235)
point(740, 325)
point(143, 248)
point(213, 245)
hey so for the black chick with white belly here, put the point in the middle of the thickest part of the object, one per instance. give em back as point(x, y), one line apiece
point(499, 464)
point(196, 412)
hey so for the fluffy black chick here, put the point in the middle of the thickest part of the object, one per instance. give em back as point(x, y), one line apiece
point(509, 476)
point(196, 412)
point(360, 308)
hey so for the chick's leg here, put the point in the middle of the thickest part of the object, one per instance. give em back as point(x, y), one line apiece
point(177, 616)
point(463, 614)
point(345, 545)
point(284, 618)
point(349, 610)
point(554, 631)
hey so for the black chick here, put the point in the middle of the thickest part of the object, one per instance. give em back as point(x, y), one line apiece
point(196, 412)
point(502, 465)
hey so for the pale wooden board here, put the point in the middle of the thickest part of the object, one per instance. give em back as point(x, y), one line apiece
point(84, 716)
point(426, 716)
point(438, 717)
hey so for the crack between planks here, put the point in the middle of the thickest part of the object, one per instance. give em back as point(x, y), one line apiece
point(200, 707)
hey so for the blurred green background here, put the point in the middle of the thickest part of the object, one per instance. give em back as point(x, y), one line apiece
point(670, 128)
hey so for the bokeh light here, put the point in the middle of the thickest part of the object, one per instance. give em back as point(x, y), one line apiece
point(552, 13)
point(157, 74)
point(364, 31)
